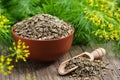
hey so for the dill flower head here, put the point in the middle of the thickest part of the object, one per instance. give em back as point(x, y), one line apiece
point(20, 50)
point(4, 27)
point(105, 18)
point(3, 20)
point(5, 31)
point(5, 65)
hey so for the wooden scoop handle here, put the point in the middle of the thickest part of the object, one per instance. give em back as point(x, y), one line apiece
point(98, 53)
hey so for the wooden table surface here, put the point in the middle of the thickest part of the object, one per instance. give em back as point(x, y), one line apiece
point(48, 71)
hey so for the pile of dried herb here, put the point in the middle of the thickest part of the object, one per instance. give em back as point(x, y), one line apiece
point(85, 68)
point(43, 27)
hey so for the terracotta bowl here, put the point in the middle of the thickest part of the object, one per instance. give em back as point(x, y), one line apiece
point(46, 50)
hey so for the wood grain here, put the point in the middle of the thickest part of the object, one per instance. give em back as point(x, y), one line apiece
point(48, 71)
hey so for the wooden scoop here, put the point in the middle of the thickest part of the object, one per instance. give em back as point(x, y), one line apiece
point(96, 54)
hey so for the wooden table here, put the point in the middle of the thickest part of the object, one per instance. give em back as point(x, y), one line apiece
point(48, 71)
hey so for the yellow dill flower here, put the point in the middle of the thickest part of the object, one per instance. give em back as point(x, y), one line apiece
point(116, 14)
point(26, 55)
point(91, 4)
point(102, 1)
point(118, 20)
point(2, 58)
point(96, 33)
point(20, 50)
point(92, 19)
point(29, 76)
point(3, 20)
point(105, 16)
point(1, 16)
point(110, 13)
point(110, 26)
point(97, 22)
point(111, 37)
point(101, 36)
point(96, 5)
point(8, 61)
point(34, 78)
point(116, 37)
point(106, 37)
point(1, 23)
point(102, 25)
point(10, 67)
point(90, 1)
point(5, 65)
point(5, 34)
point(0, 64)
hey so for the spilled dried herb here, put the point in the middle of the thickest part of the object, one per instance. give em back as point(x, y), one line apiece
point(86, 68)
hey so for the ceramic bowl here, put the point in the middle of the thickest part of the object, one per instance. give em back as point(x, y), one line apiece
point(46, 50)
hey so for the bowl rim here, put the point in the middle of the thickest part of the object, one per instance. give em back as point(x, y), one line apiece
point(40, 40)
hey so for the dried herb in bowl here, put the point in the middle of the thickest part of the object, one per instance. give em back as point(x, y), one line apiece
point(86, 67)
point(43, 27)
